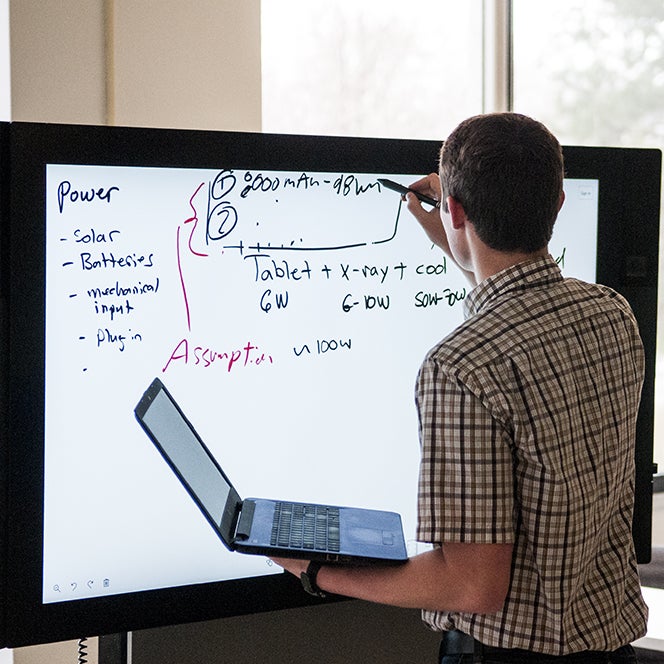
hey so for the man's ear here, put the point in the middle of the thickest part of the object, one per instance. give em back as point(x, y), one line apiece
point(457, 213)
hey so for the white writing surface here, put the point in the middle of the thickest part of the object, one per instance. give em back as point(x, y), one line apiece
point(287, 312)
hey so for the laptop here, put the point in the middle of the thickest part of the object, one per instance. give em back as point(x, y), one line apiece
point(274, 528)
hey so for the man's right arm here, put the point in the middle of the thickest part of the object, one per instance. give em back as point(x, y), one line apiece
point(430, 219)
point(472, 578)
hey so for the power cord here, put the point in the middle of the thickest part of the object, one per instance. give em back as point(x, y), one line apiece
point(83, 651)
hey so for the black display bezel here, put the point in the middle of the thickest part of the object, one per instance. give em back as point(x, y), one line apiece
point(627, 260)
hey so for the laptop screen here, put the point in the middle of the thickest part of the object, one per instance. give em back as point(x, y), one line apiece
point(182, 448)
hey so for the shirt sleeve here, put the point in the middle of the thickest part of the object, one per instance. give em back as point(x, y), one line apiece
point(466, 485)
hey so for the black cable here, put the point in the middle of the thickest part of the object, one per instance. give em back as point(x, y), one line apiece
point(83, 651)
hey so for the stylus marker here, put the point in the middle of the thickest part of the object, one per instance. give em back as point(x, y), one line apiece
point(395, 186)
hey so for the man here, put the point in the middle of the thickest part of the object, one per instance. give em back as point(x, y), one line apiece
point(527, 420)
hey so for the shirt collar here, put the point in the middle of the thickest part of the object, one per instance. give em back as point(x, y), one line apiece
point(519, 277)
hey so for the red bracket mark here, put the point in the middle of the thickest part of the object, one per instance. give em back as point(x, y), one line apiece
point(191, 219)
point(195, 220)
point(182, 283)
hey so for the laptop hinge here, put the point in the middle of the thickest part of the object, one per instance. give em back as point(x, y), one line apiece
point(246, 519)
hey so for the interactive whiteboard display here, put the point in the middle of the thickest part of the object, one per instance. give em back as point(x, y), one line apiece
point(287, 312)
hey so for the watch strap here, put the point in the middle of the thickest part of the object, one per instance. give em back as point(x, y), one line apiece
point(308, 579)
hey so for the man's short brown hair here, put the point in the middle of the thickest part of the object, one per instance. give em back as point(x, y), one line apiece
point(506, 169)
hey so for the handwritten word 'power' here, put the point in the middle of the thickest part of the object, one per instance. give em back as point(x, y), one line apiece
point(204, 356)
point(70, 195)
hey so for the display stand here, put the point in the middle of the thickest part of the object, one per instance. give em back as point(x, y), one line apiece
point(114, 648)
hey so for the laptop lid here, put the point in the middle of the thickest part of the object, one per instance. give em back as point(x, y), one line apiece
point(190, 459)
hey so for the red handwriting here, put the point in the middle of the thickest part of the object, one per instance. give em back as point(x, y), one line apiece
point(204, 356)
point(182, 282)
point(194, 221)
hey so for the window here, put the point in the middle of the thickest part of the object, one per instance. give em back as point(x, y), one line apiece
point(604, 83)
point(370, 68)
point(603, 86)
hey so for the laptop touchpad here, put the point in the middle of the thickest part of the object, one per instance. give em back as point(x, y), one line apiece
point(374, 536)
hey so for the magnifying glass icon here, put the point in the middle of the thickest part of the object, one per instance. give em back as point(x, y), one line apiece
point(56, 588)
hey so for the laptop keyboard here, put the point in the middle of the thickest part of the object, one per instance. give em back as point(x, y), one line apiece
point(301, 526)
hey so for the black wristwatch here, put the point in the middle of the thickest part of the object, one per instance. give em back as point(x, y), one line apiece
point(308, 579)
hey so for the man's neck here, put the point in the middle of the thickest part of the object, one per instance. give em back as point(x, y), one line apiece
point(488, 262)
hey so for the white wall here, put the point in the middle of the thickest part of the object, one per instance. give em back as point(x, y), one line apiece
point(137, 62)
point(5, 88)
point(57, 61)
point(191, 65)
point(52, 653)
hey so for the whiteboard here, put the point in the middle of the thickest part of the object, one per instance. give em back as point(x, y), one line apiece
point(287, 312)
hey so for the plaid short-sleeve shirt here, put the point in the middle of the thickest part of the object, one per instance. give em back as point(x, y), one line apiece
point(527, 425)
